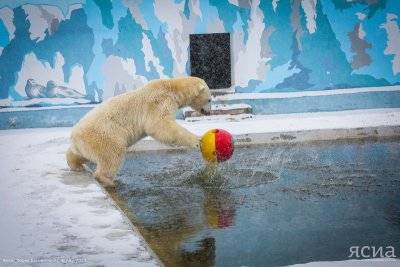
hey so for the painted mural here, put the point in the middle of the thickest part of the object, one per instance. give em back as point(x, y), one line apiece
point(75, 52)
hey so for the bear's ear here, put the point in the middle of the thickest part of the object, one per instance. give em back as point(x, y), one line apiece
point(201, 87)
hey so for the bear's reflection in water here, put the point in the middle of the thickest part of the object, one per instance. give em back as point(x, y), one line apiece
point(176, 221)
point(178, 202)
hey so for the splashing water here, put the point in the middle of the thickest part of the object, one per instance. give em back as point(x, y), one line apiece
point(187, 169)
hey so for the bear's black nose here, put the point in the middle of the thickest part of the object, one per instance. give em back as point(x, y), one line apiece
point(204, 112)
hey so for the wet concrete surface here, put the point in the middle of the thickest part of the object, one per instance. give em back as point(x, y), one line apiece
point(270, 205)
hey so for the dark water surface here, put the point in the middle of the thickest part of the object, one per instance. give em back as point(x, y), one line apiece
point(269, 205)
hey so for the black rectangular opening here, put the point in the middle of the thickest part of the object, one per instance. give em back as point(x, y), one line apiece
point(210, 59)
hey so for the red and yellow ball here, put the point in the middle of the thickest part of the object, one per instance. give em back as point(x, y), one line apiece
point(217, 145)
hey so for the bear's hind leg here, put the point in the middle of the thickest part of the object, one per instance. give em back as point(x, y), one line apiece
point(75, 161)
point(108, 167)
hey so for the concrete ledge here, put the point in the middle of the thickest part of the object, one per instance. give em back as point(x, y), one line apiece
point(41, 117)
point(320, 103)
point(220, 109)
point(302, 127)
point(372, 133)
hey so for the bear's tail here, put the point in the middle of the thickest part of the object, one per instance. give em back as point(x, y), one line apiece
point(75, 161)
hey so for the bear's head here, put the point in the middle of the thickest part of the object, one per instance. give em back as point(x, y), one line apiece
point(202, 103)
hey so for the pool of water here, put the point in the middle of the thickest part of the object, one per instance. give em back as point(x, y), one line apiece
point(269, 205)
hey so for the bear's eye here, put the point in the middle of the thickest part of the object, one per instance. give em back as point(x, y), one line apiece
point(209, 100)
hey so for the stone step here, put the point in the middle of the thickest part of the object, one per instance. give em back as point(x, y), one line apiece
point(220, 109)
point(226, 117)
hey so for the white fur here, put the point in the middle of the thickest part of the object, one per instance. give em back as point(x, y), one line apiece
point(103, 135)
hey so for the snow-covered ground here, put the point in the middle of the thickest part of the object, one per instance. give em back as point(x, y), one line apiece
point(293, 127)
point(50, 214)
point(303, 121)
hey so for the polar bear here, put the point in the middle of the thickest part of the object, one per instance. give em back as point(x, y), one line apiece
point(103, 135)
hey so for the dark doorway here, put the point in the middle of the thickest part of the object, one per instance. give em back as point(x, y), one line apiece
point(210, 59)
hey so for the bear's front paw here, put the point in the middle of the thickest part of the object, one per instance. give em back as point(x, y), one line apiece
point(196, 142)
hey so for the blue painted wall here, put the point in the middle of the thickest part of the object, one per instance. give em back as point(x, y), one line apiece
point(75, 52)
